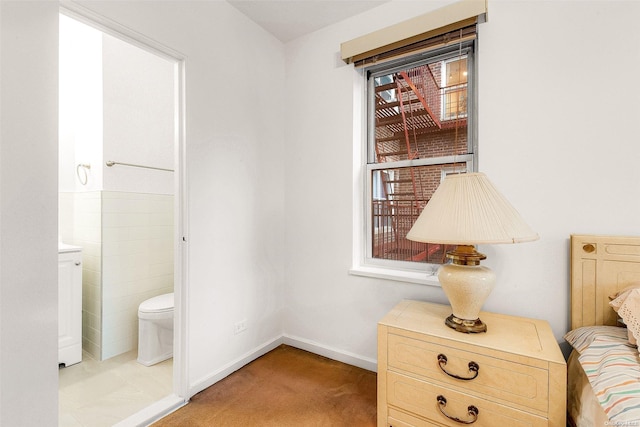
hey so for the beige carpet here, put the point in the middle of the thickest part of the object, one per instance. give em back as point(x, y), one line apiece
point(285, 387)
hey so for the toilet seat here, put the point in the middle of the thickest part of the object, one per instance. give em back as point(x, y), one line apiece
point(159, 307)
point(158, 304)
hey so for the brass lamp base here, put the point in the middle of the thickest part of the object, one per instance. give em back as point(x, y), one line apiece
point(466, 326)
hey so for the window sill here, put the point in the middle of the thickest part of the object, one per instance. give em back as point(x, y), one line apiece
point(419, 277)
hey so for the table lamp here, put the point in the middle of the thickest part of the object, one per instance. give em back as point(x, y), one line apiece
point(466, 210)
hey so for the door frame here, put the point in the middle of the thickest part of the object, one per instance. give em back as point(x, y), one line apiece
point(180, 394)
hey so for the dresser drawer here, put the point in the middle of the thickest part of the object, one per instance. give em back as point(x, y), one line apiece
point(402, 419)
point(422, 398)
point(504, 380)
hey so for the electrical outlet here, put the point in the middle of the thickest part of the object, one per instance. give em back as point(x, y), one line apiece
point(240, 326)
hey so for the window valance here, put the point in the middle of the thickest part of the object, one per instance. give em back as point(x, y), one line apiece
point(450, 24)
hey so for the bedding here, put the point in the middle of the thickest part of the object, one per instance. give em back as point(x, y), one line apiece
point(612, 368)
point(583, 407)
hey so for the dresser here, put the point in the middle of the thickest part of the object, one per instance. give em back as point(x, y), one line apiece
point(513, 375)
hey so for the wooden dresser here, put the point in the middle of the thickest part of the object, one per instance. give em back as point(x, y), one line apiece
point(515, 374)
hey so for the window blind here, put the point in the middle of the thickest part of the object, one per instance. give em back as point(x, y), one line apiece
point(450, 24)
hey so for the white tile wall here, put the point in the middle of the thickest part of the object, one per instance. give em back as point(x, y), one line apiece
point(137, 258)
point(127, 241)
point(80, 224)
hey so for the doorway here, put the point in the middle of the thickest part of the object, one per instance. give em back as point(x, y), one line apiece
point(121, 201)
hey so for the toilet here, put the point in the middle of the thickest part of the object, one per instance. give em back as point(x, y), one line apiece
point(155, 329)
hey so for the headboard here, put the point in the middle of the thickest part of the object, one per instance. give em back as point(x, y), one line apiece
point(600, 266)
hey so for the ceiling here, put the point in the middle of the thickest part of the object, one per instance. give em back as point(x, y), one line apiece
point(290, 19)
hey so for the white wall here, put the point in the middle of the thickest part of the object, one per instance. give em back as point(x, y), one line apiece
point(80, 107)
point(28, 217)
point(557, 134)
point(138, 120)
point(565, 149)
point(235, 150)
point(117, 103)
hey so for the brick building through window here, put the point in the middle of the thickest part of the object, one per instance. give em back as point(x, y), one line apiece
point(420, 129)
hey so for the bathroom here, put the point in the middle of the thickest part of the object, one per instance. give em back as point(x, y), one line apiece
point(117, 136)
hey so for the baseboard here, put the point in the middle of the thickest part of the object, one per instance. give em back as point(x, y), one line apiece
point(230, 368)
point(331, 353)
point(153, 412)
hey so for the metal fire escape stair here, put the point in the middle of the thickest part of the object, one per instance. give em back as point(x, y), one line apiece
point(397, 124)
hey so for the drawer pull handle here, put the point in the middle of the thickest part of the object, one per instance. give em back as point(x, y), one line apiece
point(472, 411)
point(473, 367)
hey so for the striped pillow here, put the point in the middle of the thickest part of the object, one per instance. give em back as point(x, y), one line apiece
point(581, 338)
point(613, 370)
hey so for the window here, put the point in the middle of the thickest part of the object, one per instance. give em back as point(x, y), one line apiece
point(454, 86)
point(420, 121)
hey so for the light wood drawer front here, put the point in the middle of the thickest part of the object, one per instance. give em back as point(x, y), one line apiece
point(421, 398)
point(401, 419)
point(511, 382)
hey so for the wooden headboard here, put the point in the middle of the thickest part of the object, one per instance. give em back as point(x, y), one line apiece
point(600, 266)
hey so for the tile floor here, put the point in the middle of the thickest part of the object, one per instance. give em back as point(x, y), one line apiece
point(96, 394)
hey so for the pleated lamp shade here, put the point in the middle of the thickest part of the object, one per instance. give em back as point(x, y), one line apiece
point(467, 209)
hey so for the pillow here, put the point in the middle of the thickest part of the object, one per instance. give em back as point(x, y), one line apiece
point(581, 338)
point(627, 288)
point(627, 305)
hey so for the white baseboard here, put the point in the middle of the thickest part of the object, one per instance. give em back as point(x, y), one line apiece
point(230, 368)
point(153, 412)
point(331, 353)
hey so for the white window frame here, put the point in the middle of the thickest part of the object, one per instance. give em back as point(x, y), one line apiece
point(363, 263)
point(444, 83)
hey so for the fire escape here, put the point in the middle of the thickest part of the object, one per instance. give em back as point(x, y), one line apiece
point(407, 110)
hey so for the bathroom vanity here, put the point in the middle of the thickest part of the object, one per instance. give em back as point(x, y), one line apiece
point(69, 304)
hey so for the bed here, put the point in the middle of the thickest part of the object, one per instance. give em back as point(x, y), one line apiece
point(604, 368)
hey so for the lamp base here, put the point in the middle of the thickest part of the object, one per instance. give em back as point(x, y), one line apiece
point(466, 285)
point(466, 326)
